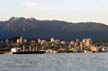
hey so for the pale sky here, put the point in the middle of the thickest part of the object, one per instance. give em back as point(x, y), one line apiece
point(66, 10)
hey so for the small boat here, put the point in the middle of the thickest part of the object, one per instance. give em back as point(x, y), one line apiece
point(18, 51)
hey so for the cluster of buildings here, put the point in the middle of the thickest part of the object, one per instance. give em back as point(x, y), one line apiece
point(52, 46)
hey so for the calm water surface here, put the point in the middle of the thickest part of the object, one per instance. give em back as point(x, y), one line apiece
point(55, 62)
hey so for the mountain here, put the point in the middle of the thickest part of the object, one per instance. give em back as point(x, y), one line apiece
point(31, 28)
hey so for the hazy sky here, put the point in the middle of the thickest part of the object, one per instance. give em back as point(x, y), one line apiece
point(67, 10)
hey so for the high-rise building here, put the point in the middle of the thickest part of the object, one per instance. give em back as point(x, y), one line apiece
point(20, 40)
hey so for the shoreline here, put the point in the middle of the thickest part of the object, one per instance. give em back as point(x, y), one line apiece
point(42, 52)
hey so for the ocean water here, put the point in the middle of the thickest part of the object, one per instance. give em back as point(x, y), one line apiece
point(55, 62)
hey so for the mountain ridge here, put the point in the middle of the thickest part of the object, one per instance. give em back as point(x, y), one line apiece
point(31, 28)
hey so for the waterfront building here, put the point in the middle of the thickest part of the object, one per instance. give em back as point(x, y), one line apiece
point(52, 40)
point(7, 41)
point(57, 41)
point(72, 42)
point(25, 40)
point(87, 42)
point(81, 46)
point(39, 41)
point(93, 48)
point(20, 40)
point(15, 49)
point(43, 42)
point(63, 42)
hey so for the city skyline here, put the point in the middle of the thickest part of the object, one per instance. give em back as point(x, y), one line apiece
point(66, 10)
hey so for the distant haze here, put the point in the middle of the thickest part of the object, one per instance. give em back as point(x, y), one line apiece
point(67, 10)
